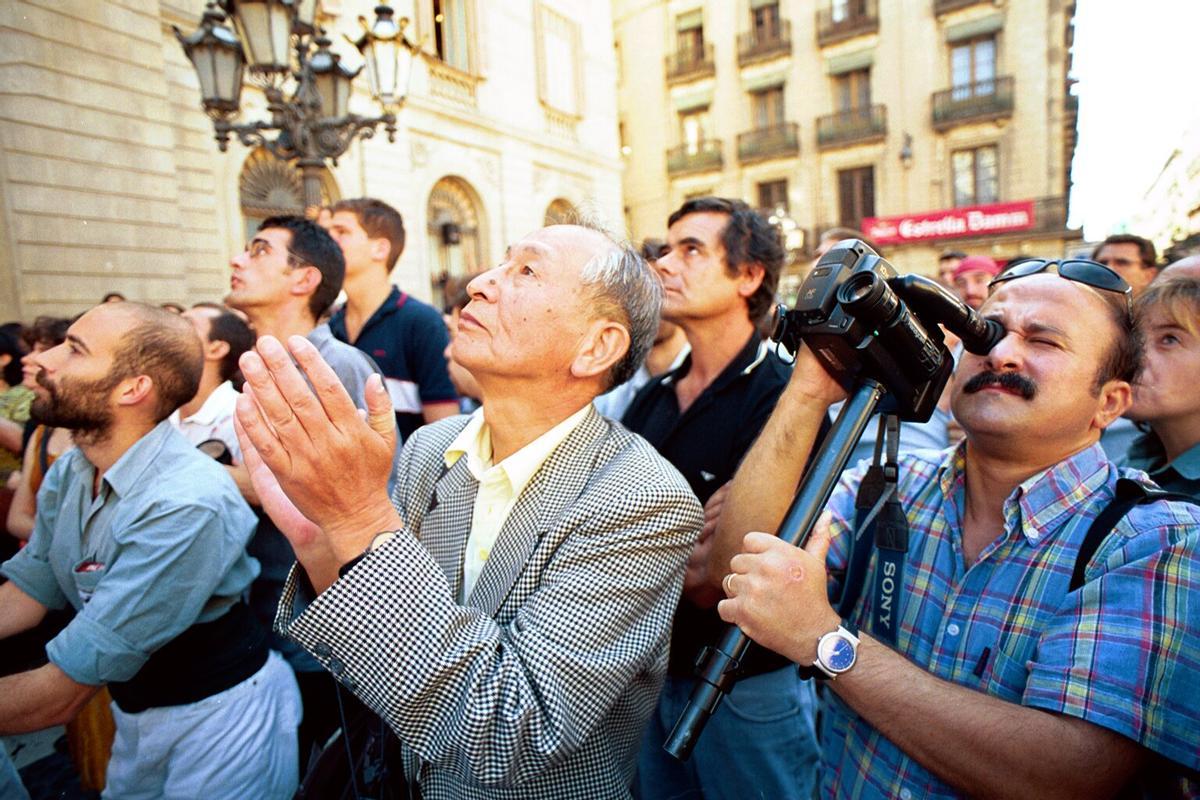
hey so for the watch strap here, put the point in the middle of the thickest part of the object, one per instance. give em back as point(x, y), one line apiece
point(378, 541)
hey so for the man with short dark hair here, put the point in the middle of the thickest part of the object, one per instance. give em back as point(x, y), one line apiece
point(947, 262)
point(145, 537)
point(406, 337)
point(1132, 257)
point(719, 272)
point(285, 280)
point(970, 665)
point(208, 416)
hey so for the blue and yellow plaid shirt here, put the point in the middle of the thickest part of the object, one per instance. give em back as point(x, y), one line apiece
point(1122, 652)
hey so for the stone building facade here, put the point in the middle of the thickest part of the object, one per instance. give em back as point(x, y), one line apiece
point(110, 179)
point(934, 124)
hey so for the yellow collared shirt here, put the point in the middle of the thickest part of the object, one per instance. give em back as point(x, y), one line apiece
point(500, 485)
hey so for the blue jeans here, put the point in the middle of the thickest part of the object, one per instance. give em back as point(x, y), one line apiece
point(761, 743)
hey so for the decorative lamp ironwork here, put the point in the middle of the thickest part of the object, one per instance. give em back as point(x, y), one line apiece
point(309, 120)
point(217, 57)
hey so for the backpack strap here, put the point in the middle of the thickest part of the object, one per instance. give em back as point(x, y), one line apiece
point(1129, 493)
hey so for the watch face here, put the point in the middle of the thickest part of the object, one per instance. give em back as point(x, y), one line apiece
point(837, 653)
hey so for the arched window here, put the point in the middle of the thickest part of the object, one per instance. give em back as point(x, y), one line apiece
point(456, 233)
point(268, 187)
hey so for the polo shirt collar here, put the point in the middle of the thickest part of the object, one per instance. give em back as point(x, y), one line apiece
point(752, 354)
point(475, 442)
point(129, 469)
point(390, 305)
point(1039, 504)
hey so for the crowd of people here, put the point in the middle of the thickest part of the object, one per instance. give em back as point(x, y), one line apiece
point(281, 545)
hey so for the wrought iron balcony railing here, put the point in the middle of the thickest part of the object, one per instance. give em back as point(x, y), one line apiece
point(973, 102)
point(852, 126)
point(770, 42)
point(690, 63)
point(839, 21)
point(700, 156)
point(776, 141)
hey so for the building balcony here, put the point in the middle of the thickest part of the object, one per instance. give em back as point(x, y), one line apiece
point(1050, 214)
point(946, 6)
point(855, 18)
point(762, 45)
point(973, 102)
point(852, 126)
point(777, 141)
point(701, 156)
point(690, 64)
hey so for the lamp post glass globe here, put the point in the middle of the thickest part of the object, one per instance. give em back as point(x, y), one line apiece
point(387, 56)
point(264, 28)
point(333, 80)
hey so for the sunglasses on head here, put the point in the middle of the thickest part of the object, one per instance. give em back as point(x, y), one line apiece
point(1080, 270)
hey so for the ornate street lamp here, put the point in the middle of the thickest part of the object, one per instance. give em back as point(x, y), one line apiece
point(387, 56)
point(271, 40)
point(217, 56)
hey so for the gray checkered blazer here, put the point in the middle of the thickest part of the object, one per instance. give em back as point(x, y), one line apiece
point(541, 683)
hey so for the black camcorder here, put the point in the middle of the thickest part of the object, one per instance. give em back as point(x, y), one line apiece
point(864, 320)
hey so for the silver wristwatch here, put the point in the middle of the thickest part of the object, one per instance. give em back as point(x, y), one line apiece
point(837, 651)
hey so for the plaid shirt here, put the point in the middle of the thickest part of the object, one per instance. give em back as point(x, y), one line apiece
point(1120, 653)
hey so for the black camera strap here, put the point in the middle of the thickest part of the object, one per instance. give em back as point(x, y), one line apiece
point(880, 525)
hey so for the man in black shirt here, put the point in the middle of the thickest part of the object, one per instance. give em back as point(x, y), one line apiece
point(719, 274)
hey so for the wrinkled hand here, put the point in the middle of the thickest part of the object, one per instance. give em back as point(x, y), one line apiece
point(301, 532)
point(696, 586)
point(332, 465)
point(778, 595)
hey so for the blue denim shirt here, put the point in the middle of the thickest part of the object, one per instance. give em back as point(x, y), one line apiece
point(161, 546)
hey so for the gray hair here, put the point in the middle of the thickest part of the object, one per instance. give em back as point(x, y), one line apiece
point(626, 290)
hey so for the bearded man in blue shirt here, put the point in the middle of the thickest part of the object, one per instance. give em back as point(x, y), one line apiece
point(145, 537)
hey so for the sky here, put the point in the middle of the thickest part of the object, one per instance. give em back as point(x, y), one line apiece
point(1138, 71)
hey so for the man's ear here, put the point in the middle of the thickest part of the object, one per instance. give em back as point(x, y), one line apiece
point(1115, 399)
point(305, 280)
point(216, 350)
point(752, 275)
point(380, 249)
point(605, 343)
point(135, 390)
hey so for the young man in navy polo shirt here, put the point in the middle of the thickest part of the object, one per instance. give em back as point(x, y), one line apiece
point(405, 337)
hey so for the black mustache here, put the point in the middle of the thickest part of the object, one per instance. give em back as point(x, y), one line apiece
point(1005, 380)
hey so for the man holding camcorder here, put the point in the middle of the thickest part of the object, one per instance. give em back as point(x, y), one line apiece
point(1001, 677)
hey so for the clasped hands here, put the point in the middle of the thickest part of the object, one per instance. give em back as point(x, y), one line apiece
point(777, 593)
point(319, 467)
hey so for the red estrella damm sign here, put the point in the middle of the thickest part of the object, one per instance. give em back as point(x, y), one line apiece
point(951, 222)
